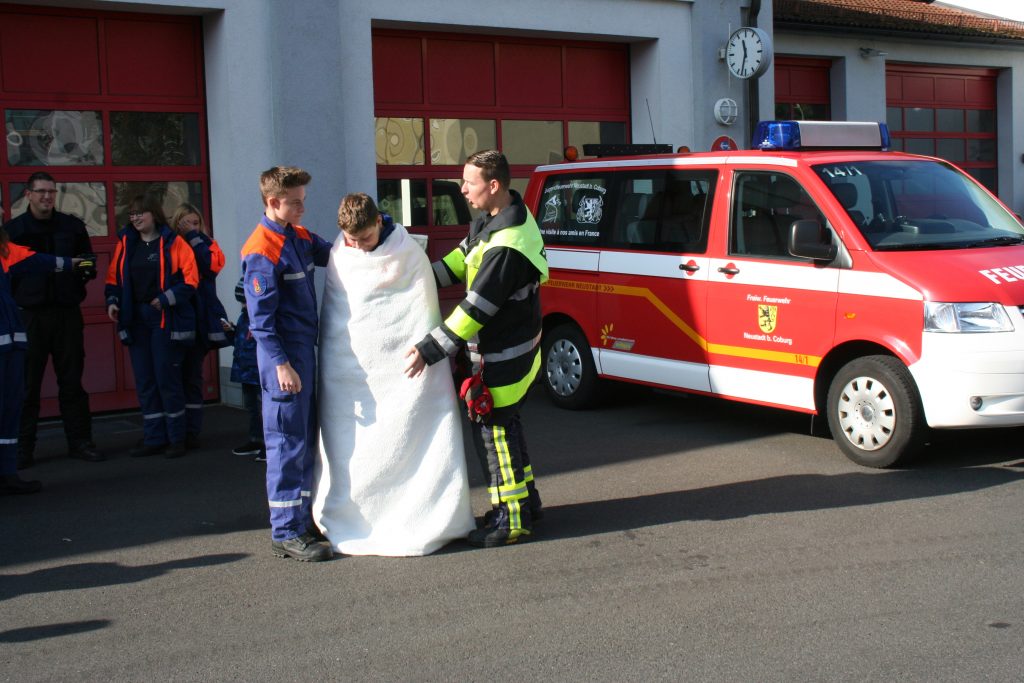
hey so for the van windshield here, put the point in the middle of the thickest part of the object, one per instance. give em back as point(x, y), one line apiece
point(912, 205)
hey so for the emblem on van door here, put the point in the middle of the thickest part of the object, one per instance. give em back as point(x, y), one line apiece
point(590, 211)
point(767, 316)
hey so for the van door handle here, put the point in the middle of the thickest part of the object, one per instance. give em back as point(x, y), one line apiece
point(729, 270)
point(689, 267)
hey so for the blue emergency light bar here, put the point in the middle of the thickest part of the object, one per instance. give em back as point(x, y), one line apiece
point(797, 135)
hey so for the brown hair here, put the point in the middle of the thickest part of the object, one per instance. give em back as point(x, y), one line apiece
point(141, 203)
point(493, 166)
point(274, 182)
point(185, 210)
point(356, 213)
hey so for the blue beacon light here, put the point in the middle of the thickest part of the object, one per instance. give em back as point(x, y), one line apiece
point(796, 135)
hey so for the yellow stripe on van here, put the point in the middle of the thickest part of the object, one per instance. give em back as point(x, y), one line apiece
point(719, 349)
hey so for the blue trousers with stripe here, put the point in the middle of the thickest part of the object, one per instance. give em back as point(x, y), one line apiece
point(289, 432)
point(192, 371)
point(12, 395)
point(156, 362)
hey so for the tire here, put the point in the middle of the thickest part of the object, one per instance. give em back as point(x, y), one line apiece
point(568, 370)
point(874, 412)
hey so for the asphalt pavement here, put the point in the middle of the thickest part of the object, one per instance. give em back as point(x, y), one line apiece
point(685, 539)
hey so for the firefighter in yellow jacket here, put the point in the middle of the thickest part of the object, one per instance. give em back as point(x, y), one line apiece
point(503, 264)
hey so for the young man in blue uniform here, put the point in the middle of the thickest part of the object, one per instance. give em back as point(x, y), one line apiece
point(278, 261)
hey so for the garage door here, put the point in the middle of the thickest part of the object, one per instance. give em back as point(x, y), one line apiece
point(949, 113)
point(111, 105)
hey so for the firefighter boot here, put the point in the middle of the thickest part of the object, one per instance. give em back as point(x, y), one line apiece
point(497, 531)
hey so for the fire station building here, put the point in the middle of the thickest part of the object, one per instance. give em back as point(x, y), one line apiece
point(191, 99)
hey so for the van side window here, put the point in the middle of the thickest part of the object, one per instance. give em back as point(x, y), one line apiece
point(575, 210)
point(665, 211)
point(764, 207)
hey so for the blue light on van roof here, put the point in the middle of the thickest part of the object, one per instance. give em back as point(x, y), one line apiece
point(796, 135)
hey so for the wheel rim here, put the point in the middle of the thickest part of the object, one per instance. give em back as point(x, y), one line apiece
point(867, 413)
point(564, 368)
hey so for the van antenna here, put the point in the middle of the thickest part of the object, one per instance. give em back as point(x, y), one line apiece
point(653, 137)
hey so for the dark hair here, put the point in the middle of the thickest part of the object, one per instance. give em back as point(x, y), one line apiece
point(356, 213)
point(4, 239)
point(493, 166)
point(39, 175)
point(141, 203)
point(274, 182)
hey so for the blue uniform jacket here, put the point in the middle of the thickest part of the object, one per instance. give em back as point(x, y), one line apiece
point(20, 260)
point(179, 278)
point(277, 264)
point(244, 367)
point(209, 310)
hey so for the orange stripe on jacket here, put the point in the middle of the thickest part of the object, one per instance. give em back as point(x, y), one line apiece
point(266, 242)
point(16, 254)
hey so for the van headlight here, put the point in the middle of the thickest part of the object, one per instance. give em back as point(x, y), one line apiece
point(986, 317)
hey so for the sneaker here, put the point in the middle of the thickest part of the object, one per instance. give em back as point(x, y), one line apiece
point(303, 548)
point(144, 451)
point(175, 450)
point(192, 442)
point(13, 485)
point(248, 448)
point(261, 456)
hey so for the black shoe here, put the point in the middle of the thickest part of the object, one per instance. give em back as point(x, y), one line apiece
point(175, 450)
point(303, 548)
point(314, 532)
point(86, 450)
point(144, 451)
point(248, 448)
point(261, 456)
point(13, 485)
point(25, 459)
point(192, 442)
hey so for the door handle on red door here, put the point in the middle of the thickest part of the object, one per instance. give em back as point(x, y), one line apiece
point(689, 267)
point(729, 270)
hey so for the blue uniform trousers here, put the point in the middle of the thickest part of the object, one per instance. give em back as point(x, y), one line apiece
point(12, 394)
point(192, 373)
point(156, 362)
point(289, 433)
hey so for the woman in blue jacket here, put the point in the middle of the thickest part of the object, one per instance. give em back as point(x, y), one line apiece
point(13, 342)
point(212, 326)
point(150, 284)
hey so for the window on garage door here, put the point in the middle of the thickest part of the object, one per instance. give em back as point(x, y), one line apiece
point(529, 98)
point(948, 113)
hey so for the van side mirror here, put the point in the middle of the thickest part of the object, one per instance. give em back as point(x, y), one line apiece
point(810, 239)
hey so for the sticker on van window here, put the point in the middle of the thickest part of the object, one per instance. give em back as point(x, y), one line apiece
point(590, 211)
point(551, 209)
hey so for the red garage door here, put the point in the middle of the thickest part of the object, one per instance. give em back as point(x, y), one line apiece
point(111, 105)
point(802, 90)
point(949, 113)
point(439, 98)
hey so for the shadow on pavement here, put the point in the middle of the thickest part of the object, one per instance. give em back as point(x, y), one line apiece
point(97, 574)
point(31, 633)
point(774, 495)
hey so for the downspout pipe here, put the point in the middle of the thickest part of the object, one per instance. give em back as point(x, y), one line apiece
point(753, 98)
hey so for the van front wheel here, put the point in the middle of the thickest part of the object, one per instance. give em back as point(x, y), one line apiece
point(570, 377)
point(874, 412)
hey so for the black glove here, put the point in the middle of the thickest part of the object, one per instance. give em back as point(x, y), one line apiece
point(86, 268)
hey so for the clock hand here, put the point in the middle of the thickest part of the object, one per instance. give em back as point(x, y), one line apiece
point(744, 69)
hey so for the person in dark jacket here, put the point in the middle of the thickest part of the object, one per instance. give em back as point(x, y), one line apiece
point(246, 371)
point(50, 305)
point(503, 264)
point(212, 326)
point(16, 259)
point(150, 284)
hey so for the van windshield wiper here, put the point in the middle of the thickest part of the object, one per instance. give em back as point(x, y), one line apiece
point(918, 246)
point(1002, 240)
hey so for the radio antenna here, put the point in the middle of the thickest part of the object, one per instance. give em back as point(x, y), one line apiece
point(653, 136)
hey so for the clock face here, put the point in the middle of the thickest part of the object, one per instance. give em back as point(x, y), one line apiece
point(748, 52)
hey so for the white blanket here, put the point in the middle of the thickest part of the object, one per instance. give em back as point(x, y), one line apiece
point(391, 476)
